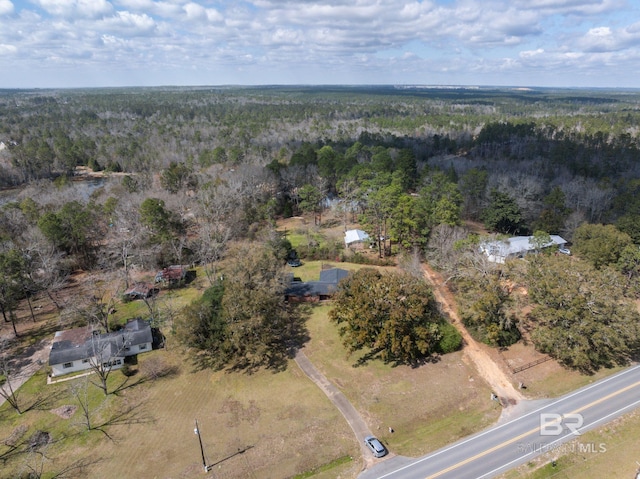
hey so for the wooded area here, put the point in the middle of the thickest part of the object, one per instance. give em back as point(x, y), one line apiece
point(187, 174)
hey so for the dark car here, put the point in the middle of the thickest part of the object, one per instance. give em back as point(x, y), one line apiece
point(376, 447)
point(294, 263)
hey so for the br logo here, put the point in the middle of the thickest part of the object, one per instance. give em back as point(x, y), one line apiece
point(552, 424)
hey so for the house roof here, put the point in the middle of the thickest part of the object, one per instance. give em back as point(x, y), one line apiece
point(516, 245)
point(84, 343)
point(327, 285)
point(333, 275)
point(142, 289)
point(354, 236)
point(172, 273)
point(70, 345)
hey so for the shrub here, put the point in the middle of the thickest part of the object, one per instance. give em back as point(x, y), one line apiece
point(450, 340)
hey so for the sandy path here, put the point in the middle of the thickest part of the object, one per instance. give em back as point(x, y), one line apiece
point(486, 366)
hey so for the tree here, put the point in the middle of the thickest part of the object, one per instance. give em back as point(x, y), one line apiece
point(408, 169)
point(629, 265)
point(502, 214)
point(243, 322)
point(393, 316)
point(440, 200)
point(73, 229)
point(11, 284)
point(379, 196)
point(47, 270)
point(176, 176)
point(311, 201)
point(158, 219)
point(8, 391)
point(580, 315)
point(327, 162)
point(555, 212)
point(202, 327)
point(261, 325)
point(600, 244)
point(540, 240)
point(123, 414)
point(104, 351)
point(487, 314)
point(124, 240)
point(473, 186)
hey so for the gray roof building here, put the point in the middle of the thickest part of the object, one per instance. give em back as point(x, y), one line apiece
point(316, 290)
point(80, 344)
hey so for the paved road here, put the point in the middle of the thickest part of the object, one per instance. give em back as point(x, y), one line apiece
point(503, 447)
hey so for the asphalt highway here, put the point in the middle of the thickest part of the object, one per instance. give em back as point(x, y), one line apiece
point(545, 428)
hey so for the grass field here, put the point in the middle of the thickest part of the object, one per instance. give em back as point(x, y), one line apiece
point(264, 425)
point(427, 407)
point(282, 421)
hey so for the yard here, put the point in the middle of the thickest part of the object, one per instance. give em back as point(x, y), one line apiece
point(266, 425)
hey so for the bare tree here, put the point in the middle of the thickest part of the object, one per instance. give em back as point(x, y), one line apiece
point(125, 413)
point(47, 272)
point(124, 237)
point(100, 300)
point(8, 378)
point(105, 354)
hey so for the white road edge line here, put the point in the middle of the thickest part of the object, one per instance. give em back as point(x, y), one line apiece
point(489, 474)
point(495, 428)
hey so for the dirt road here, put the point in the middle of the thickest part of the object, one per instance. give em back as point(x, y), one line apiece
point(486, 366)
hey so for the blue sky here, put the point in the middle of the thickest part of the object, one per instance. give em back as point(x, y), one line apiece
point(93, 43)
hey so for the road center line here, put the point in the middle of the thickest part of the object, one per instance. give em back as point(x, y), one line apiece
point(525, 434)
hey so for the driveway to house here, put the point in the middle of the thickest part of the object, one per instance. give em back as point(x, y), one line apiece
point(358, 425)
point(25, 365)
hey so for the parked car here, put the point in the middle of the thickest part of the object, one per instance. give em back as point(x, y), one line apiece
point(376, 447)
point(564, 250)
point(294, 263)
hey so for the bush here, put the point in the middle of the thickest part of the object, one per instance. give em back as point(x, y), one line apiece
point(451, 339)
point(127, 370)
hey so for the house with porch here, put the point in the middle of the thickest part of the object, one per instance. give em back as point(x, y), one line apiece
point(80, 349)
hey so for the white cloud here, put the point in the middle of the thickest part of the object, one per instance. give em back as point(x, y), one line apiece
point(390, 40)
point(197, 12)
point(127, 23)
point(6, 7)
point(77, 8)
point(605, 39)
point(7, 49)
point(163, 9)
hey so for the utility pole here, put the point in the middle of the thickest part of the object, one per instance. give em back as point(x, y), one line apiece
point(197, 433)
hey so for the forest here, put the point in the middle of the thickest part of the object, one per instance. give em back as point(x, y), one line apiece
point(194, 175)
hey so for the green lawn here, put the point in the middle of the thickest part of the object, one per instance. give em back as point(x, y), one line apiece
point(428, 407)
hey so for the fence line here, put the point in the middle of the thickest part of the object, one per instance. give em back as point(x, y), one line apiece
point(531, 364)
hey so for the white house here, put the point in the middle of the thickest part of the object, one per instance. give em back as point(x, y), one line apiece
point(352, 237)
point(498, 251)
point(79, 349)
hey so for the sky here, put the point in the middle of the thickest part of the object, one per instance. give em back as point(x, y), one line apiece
point(108, 43)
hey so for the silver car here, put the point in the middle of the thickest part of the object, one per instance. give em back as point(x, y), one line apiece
point(376, 447)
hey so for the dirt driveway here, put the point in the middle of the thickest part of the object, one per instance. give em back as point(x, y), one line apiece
point(492, 373)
